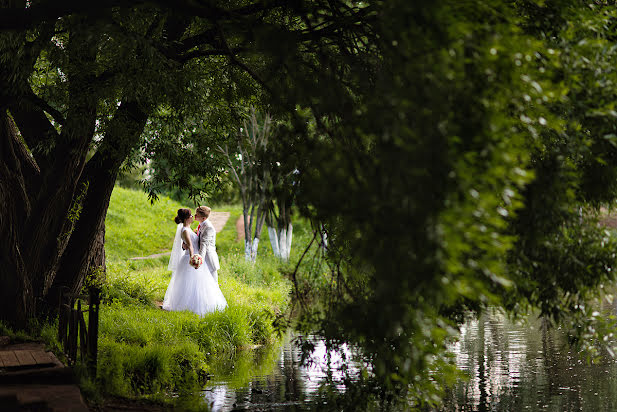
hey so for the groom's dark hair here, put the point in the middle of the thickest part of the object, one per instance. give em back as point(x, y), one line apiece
point(183, 214)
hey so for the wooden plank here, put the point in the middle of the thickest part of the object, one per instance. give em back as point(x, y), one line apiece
point(9, 359)
point(24, 357)
point(83, 340)
point(73, 333)
point(41, 358)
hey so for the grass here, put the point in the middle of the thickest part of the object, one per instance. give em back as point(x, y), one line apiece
point(134, 227)
point(149, 353)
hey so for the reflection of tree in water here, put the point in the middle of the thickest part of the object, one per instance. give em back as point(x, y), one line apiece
point(526, 367)
point(282, 387)
point(271, 377)
point(233, 375)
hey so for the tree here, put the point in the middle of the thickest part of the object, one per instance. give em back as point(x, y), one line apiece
point(457, 183)
point(251, 173)
point(283, 185)
point(264, 171)
point(279, 211)
point(78, 83)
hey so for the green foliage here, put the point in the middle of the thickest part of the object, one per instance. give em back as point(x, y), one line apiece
point(224, 193)
point(562, 257)
point(153, 338)
point(129, 369)
point(46, 332)
point(123, 286)
point(75, 211)
point(463, 180)
point(241, 368)
point(131, 177)
point(94, 279)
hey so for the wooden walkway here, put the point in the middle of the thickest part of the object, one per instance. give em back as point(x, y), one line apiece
point(11, 359)
point(33, 379)
point(218, 220)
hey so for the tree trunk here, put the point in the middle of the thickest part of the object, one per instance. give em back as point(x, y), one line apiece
point(251, 240)
point(281, 236)
point(253, 251)
point(280, 239)
point(259, 219)
point(274, 241)
point(48, 229)
point(285, 237)
point(86, 253)
point(16, 294)
point(37, 225)
point(323, 233)
point(53, 238)
point(248, 237)
point(36, 204)
point(53, 199)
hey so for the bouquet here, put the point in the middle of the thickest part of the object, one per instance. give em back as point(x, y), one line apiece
point(196, 261)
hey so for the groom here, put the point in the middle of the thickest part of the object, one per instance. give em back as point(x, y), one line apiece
point(207, 240)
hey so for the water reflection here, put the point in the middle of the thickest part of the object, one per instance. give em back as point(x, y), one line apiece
point(273, 378)
point(511, 367)
point(525, 366)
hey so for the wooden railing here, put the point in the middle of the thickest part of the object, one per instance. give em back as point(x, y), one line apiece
point(75, 338)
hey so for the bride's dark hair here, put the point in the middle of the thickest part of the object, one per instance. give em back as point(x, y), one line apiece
point(183, 214)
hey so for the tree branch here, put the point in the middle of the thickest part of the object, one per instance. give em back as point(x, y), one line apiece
point(325, 30)
point(35, 129)
point(203, 53)
point(225, 151)
point(24, 19)
point(240, 64)
point(208, 36)
point(37, 101)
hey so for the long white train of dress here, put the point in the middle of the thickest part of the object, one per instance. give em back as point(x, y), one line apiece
point(193, 289)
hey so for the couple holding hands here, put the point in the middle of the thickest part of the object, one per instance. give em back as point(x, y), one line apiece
point(194, 264)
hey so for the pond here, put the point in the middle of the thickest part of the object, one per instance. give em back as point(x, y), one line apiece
point(512, 366)
point(272, 378)
point(525, 366)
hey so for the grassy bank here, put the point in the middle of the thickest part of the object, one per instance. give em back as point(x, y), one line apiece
point(147, 352)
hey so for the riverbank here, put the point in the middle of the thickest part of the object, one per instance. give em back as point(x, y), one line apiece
point(150, 355)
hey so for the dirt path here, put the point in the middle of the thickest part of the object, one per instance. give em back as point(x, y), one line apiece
point(240, 229)
point(609, 221)
point(218, 219)
point(608, 218)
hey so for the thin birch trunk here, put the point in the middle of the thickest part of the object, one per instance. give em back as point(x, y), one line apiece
point(272, 233)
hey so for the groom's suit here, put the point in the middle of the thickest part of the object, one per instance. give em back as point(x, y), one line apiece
point(207, 247)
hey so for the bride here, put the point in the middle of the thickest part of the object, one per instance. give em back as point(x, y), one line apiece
point(190, 288)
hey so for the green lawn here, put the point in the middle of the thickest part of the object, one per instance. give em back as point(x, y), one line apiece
point(134, 227)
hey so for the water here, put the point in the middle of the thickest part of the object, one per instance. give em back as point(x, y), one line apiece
point(524, 366)
point(273, 378)
point(511, 367)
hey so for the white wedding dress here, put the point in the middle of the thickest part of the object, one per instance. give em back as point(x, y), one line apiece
point(189, 288)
